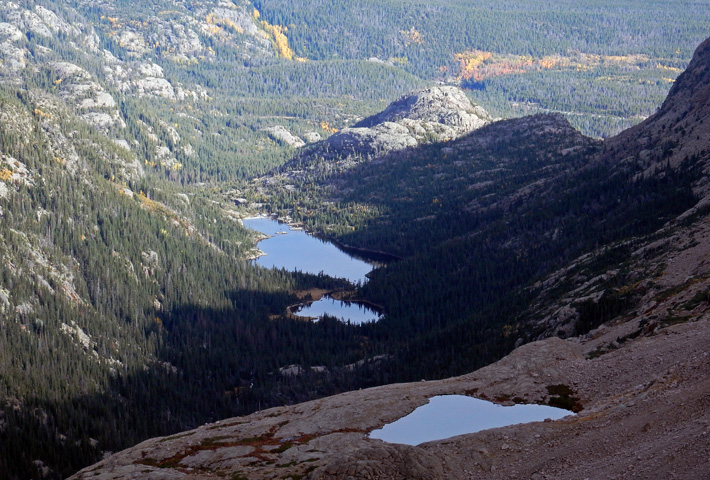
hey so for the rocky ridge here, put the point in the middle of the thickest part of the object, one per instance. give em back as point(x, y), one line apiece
point(94, 56)
point(281, 134)
point(179, 34)
point(676, 135)
point(672, 140)
point(428, 116)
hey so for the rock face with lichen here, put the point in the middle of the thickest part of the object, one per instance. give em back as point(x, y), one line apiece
point(281, 134)
point(116, 56)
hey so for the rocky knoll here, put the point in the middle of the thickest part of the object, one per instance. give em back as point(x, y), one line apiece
point(432, 115)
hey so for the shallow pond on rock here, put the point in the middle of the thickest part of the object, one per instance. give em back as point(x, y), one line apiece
point(450, 415)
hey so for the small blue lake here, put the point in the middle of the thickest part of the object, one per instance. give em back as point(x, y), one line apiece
point(297, 250)
point(450, 415)
point(352, 312)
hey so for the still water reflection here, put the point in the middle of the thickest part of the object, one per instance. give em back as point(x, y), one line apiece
point(297, 250)
point(346, 311)
point(450, 415)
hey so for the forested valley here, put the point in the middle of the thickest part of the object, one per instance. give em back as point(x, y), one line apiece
point(135, 136)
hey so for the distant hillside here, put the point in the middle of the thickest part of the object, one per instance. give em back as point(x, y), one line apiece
point(605, 65)
point(480, 219)
point(192, 89)
point(115, 275)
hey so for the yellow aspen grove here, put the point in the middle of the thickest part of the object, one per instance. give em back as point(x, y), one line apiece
point(278, 33)
point(280, 39)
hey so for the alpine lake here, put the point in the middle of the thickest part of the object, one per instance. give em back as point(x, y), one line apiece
point(295, 250)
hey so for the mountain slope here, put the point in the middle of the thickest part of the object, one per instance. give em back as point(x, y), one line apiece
point(676, 134)
point(639, 371)
point(633, 272)
point(119, 287)
point(128, 308)
point(640, 379)
point(476, 221)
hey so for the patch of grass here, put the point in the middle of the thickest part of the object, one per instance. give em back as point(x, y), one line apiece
point(669, 292)
point(697, 299)
point(302, 475)
point(213, 442)
point(601, 350)
point(252, 440)
point(560, 389)
point(630, 336)
point(172, 462)
point(175, 437)
point(597, 352)
point(674, 320)
point(285, 446)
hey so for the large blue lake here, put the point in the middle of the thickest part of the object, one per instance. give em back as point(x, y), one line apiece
point(297, 250)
